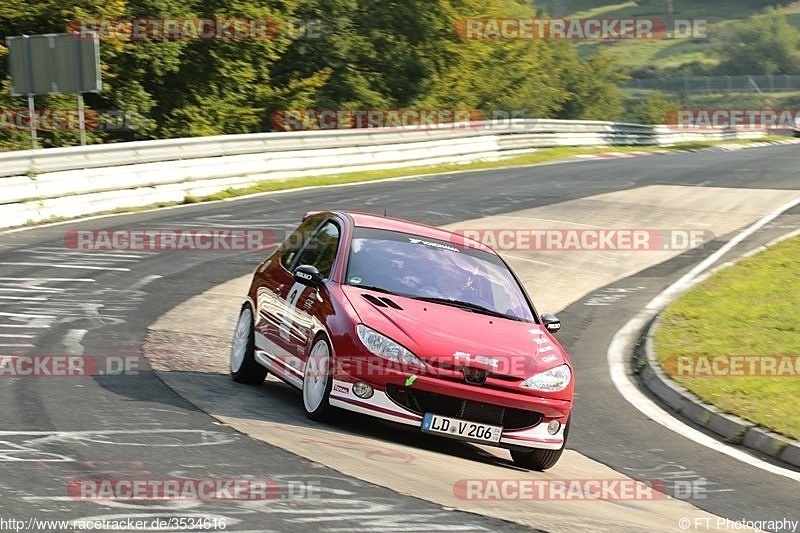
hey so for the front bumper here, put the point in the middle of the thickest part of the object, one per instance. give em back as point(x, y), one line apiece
point(524, 417)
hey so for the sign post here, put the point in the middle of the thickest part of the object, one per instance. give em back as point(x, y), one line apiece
point(81, 120)
point(32, 121)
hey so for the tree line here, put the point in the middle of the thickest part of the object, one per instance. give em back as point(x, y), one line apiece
point(328, 54)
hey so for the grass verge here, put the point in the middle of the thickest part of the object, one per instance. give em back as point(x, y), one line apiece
point(750, 309)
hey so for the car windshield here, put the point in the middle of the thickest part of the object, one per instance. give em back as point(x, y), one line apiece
point(418, 267)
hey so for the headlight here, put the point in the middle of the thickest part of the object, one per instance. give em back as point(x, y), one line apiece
point(553, 380)
point(383, 346)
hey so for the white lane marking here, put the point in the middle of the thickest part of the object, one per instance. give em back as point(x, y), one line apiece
point(50, 256)
point(3, 345)
point(63, 265)
point(29, 289)
point(24, 325)
point(13, 452)
point(624, 339)
point(26, 298)
point(144, 281)
point(72, 341)
point(26, 315)
point(610, 296)
point(16, 336)
point(48, 279)
point(94, 254)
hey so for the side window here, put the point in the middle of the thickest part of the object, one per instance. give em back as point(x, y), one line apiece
point(321, 249)
point(295, 241)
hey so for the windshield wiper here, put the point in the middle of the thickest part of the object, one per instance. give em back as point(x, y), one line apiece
point(467, 306)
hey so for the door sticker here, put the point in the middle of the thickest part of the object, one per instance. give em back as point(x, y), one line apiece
point(287, 321)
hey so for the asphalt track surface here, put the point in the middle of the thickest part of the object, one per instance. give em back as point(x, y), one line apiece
point(54, 302)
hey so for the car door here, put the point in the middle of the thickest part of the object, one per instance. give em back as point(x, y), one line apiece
point(305, 307)
point(274, 280)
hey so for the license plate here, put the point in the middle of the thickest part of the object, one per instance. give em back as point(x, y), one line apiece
point(461, 429)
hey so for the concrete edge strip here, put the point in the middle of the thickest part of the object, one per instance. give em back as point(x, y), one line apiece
point(622, 347)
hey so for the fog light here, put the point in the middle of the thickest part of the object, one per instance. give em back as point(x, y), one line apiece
point(553, 427)
point(363, 390)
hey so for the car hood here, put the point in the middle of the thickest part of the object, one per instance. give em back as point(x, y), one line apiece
point(451, 337)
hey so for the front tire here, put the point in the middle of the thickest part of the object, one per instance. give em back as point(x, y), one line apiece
point(318, 380)
point(540, 459)
point(244, 368)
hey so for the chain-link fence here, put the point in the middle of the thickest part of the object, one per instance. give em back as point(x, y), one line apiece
point(719, 84)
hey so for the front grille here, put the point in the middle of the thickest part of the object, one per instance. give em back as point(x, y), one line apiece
point(422, 402)
point(459, 377)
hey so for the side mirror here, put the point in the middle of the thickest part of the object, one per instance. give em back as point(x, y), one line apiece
point(551, 322)
point(308, 275)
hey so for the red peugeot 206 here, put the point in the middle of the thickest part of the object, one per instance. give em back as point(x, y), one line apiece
point(411, 324)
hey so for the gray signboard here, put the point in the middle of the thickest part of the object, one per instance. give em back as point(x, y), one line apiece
point(54, 63)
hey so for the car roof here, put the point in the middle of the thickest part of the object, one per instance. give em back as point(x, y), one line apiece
point(369, 220)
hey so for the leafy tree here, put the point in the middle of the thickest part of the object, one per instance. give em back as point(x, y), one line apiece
point(655, 109)
point(407, 53)
point(765, 43)
point(520, 76)
point(592, 84)
point(368, 55)
point(221, 85)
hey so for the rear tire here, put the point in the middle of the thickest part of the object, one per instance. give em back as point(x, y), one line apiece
point(540, 459)
point(318, 380)
point(244, 368)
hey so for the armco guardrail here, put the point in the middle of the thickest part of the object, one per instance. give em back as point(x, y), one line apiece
point(37, 185)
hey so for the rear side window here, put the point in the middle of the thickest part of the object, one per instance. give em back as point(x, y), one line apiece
point(321, 249)
point(295, 241)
